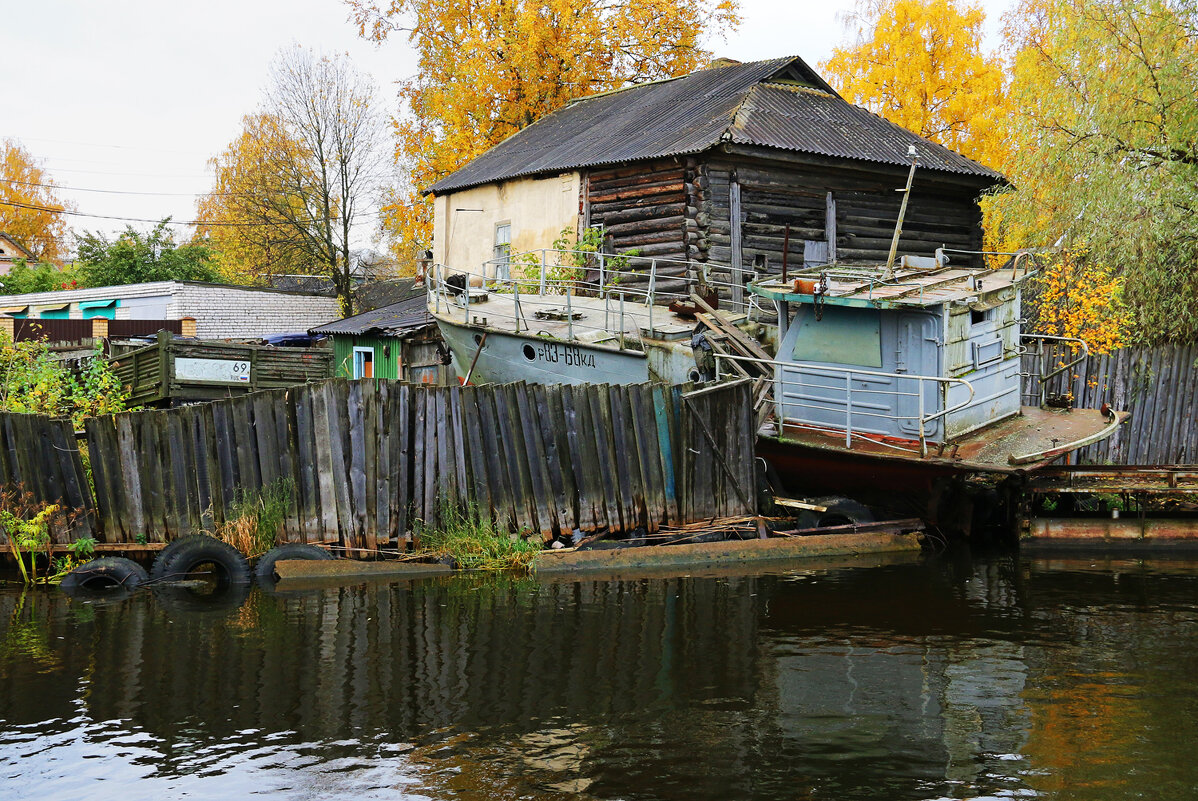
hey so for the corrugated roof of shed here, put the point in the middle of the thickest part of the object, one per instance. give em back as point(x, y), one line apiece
point(409, 314)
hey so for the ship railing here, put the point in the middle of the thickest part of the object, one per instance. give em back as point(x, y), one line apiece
point(1066, 352)
point(651, 279)
point(624, 313)
point(791, 386)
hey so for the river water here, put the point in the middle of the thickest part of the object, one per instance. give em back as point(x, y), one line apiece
point(937, 678)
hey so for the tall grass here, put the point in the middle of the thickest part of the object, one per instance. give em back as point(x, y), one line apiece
point(256, 517)
point(474, 542)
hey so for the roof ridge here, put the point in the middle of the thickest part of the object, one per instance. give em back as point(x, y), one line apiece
point(709, 68)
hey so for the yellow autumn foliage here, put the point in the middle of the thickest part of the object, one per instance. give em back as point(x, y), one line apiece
point(1079, 296)
point(920, 64)
point(250, 186)
point(488, 68)
point(30, 209)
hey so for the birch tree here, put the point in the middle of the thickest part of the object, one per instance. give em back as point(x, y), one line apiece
point(920, 64)
point(302, 175)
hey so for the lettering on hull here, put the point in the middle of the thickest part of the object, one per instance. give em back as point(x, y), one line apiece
point(556, 353)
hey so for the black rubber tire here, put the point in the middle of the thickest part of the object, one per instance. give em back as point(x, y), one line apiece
point(105, 573)
point(264, 570)
point(843, 512)
point(182, 556)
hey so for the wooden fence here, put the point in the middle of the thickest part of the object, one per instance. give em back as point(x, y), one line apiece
point(1158, 385)
point(370, 461)
point(40, 465)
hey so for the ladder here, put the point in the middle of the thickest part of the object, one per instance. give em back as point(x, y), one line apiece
point(728, 340)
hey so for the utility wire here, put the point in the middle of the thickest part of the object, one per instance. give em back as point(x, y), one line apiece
point(97, 144)
point(193, 223)
point(117, 191)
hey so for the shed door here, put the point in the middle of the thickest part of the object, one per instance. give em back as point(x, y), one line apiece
point(917, 355)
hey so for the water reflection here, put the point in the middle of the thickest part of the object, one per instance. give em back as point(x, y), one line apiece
point(945, 679)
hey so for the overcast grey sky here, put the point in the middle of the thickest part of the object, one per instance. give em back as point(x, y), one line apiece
point(134, 96)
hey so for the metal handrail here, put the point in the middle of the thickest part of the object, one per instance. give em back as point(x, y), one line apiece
point(650, 268)
point(848, 375)
point(615, 325)
point(1043, 379)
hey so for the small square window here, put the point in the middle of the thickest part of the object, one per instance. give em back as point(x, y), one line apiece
point(978, 317)
point(363, 362)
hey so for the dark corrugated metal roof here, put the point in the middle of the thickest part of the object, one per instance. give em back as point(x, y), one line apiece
point(810, 121)
point(407, 315)
point(691, 114)
point(666, 118)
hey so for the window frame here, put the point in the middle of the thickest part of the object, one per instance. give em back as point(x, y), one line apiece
point(501, 252)
point(357, 368)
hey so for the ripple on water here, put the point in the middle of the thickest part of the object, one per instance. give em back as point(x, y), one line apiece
point(928, 681)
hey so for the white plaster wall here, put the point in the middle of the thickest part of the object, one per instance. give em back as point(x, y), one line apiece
point(538, 209)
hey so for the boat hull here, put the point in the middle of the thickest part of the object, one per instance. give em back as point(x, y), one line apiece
point(941, 487)
point(505, 357)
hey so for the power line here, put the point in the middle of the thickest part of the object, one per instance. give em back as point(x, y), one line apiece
point(127, 174)
point(96, 144)
point(117, 191)
point(192, 223)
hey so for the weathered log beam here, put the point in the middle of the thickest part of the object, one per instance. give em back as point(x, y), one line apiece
point(630, 191)
point(643, 225)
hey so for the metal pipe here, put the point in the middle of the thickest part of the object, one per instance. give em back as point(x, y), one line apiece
point(923, 441)
point(785, 250)
point(621, 321)
point(569, 314)
point(516, 303)
point(848, 410)
point(481, 344)
point(898, 225)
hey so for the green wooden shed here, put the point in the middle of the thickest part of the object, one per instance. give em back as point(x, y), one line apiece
point(398, 341)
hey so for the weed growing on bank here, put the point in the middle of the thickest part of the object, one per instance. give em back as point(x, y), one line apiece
point(474, 542)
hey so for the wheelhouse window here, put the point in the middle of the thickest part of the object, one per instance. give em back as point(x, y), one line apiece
point(363, 362)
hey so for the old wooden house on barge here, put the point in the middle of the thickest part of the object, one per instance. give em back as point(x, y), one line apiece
point(727, 165)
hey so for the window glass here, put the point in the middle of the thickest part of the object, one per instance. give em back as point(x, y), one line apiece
point(842, 336)
point(503, 246)
point(363, 362)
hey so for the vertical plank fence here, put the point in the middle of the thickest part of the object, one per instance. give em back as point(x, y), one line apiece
point(369, 461)
point(1158, 385)
point(40, 463)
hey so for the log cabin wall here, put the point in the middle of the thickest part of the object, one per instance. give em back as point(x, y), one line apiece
point(649, 206)
point(861, 200)
point(682, 208)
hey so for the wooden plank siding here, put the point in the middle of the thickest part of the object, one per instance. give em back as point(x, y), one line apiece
point(863, 202)
point(371, 461)
point(148, 372)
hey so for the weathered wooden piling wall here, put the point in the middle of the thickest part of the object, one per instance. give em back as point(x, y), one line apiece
point(40, 465)
point(1158, 385)
point(370, 460)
